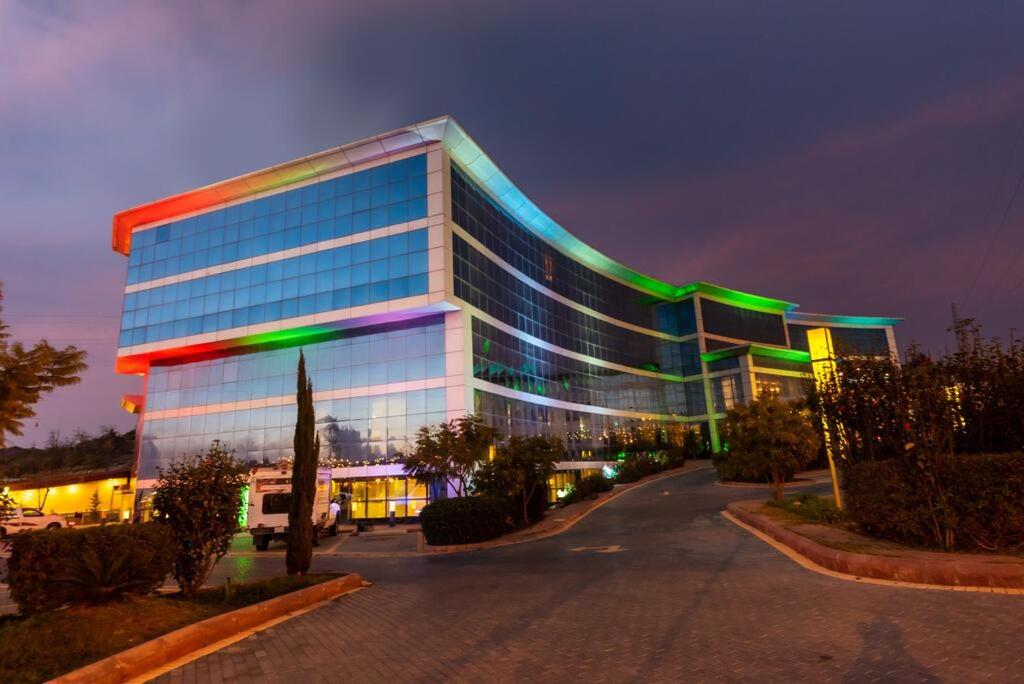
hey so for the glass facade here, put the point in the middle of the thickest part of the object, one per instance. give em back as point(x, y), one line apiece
point(381, 196)
point(487, 286)
point(784, 387)
point(380, 497)
point(529, 326)
point(496, 230)
point(366, 357)
point(849, 341)
point(587, 436)
point(727, 392)
point(514, 363)
point(355, 430)
point(367, 430)
point(742, 324)
point(363, 273)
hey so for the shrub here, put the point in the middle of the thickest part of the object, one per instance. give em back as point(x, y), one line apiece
point(675, 457)
point(198, 500)
point(519, 472)
point(465, 519)
point(768, 440)
point(50, 568)
point(640, 464)
point(970, 502)
point(595, 484)
point(811, 507)
point(7, 505)
point(587, 488)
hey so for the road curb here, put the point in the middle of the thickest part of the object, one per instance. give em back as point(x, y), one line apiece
point(139, 660)
point(424, 549)
point(962, 572)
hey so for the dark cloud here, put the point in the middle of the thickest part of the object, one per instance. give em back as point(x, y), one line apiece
point(847, 156)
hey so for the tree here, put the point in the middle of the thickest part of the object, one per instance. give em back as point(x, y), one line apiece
point(7, 504)
point(450, 452)
point(520, 471)
point(307, 455)
point(26, 374)
point(93, 514)
point(198, 499)
point(770, 438)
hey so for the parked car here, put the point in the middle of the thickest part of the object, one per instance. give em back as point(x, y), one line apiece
point(29, 519)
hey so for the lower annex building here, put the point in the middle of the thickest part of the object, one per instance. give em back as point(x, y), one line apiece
point(422, 285)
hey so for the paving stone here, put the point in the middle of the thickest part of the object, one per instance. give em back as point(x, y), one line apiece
point(692, 598)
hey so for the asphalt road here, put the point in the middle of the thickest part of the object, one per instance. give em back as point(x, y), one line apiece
point(655, 586)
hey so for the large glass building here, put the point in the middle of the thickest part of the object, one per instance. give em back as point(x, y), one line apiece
point(422, 285)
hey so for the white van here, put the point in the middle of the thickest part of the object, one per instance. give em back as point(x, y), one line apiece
point(269, 495)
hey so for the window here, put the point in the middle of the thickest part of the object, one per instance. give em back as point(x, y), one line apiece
point(384, 195)
point(383, 496)
point(370, 271)
point(274, 504)
point(475, 212)
point(742, 324)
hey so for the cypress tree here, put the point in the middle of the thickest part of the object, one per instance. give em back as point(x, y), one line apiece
point(307, 451)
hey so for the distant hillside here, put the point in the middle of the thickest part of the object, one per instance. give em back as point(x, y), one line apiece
point(108, 450)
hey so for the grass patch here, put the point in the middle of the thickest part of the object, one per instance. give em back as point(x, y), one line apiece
point(44, 646)
point(811, 508)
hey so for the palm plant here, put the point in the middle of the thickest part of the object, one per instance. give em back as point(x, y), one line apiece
point(96, 577)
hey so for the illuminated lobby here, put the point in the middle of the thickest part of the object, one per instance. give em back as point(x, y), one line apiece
point(422, 285)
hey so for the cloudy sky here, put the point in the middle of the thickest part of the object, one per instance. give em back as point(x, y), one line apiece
point(853, 157)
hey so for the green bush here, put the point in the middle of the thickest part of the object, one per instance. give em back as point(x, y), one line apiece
point(197, 499)
point(968, 502)
point(465, 519)
point(50, 568)
point(811, 507)
point(587, 488)
point(675, 457)
point(641, 464)
point(735, 466)
point(768, 440)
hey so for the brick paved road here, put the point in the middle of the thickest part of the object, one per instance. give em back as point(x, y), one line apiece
point(689, 597)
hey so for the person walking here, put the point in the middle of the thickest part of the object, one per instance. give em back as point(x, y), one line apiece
point(334, 515)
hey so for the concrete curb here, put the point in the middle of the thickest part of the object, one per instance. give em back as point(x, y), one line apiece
point(571, 520)
point(146, 657)
point(961, 570)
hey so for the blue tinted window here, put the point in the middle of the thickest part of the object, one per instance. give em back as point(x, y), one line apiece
point(352, 275)
point(384, 195)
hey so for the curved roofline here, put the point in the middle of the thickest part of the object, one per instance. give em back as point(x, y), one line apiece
point(806, 317)
point(470, 158)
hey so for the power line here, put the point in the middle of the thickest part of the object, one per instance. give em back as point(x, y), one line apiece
point(996, 233)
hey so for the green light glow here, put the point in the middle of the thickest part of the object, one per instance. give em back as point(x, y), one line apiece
point(794, 355)
point(243, 514)
point(477, 165)
point(744, 299)
point(825, 319)
point(289, 337)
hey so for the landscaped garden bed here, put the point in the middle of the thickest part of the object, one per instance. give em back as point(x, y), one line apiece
point(814, 531)
point(41, 647)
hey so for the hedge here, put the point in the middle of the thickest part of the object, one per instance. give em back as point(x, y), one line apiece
point(640, 464)
point(587, 488)
point(50, 568)
point(968, 502)
point(465, 520)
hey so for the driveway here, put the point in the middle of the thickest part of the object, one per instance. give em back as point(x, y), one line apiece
point(654, 586)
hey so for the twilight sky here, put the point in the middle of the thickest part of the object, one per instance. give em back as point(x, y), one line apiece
point(853, 157)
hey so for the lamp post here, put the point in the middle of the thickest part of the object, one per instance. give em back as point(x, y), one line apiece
point(823, 367)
